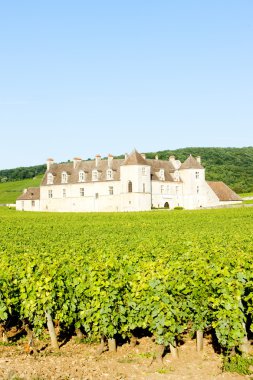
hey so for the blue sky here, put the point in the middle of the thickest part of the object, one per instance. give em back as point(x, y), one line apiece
point(79, 78)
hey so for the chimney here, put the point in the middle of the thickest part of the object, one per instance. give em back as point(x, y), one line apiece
point(50, 162)
point(171, 158)
point(126, 156)
point(143, 155)
point(97, 159)
point(110, 158)
point(156, 156)
point(198, 158)
point(76, 161)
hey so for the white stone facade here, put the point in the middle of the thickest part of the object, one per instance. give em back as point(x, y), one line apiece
point(133, 184)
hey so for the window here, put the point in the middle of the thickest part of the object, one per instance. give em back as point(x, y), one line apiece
point(168, 189)
point(81, 176)
point(64, 177)
point(96, 195)
point(33, 203)
point(110, 190)
point(162, 189)
point(177, 189)
point(81, 192)
point(64, 193)
point(109, 174)
point(94, 175)
point(50, 179)
point(143, 171)
point(143, 188)
point(50, 193)
point(197, 175)
point(130, 187)
point(161, 174)
point(197, 189)
point(177, 175)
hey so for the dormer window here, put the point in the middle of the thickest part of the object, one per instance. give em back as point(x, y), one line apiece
point(161, 174)
point(94, 175)
point(81, 177)
point(109, 174)
point(176, 175)
point(64, 177)
point(50, 179)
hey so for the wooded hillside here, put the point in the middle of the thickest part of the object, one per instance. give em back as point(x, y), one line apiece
point(234, 166)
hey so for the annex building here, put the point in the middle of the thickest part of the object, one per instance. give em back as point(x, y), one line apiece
point(134, 183)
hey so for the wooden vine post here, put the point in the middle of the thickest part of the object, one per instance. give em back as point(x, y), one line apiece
point(199, 340)
point(51, 330)
point(174, 351)
point(112, 345)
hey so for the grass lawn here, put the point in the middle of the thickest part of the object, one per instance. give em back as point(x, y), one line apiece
point(246, 195)
point(9, 191)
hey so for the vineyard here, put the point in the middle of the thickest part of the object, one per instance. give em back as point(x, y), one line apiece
point(111, 276)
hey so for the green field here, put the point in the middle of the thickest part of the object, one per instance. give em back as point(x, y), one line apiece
point(9, 191)
point(243, 195)
point(167, 273)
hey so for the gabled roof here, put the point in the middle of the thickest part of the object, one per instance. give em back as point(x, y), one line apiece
point(191, 163)
point(223, 192)
point(32, 194)
point(135, 158)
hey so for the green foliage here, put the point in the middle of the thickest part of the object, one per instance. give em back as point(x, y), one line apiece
point(110, 274)
point(238, 364)
point(234, 166)
point(9, 191)
point(21, 173)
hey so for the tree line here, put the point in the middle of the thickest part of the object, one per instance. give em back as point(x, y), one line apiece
point(234, 166)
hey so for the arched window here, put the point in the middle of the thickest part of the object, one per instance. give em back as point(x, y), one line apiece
point(50, 179)
point(130, 187)
point(81, 176)
point(64, 177)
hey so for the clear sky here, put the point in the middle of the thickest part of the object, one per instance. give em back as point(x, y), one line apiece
point(83, 77)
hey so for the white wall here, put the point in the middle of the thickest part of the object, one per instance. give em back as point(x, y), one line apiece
point(163, 192)
point(26, 205)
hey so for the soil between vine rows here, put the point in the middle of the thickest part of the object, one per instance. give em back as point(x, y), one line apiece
point(80, 362)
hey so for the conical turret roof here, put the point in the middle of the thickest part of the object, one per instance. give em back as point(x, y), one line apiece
point(191, 163)
point(135, 158)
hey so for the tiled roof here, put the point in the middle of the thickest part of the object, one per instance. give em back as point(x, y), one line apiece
point(191, 163)
point(32, 194)
point(103, 165)
point(223, 192)
point(135, 158)
point(157, 165)
point(87, 167)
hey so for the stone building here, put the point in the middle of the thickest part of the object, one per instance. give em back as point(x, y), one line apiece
point(134, 183)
